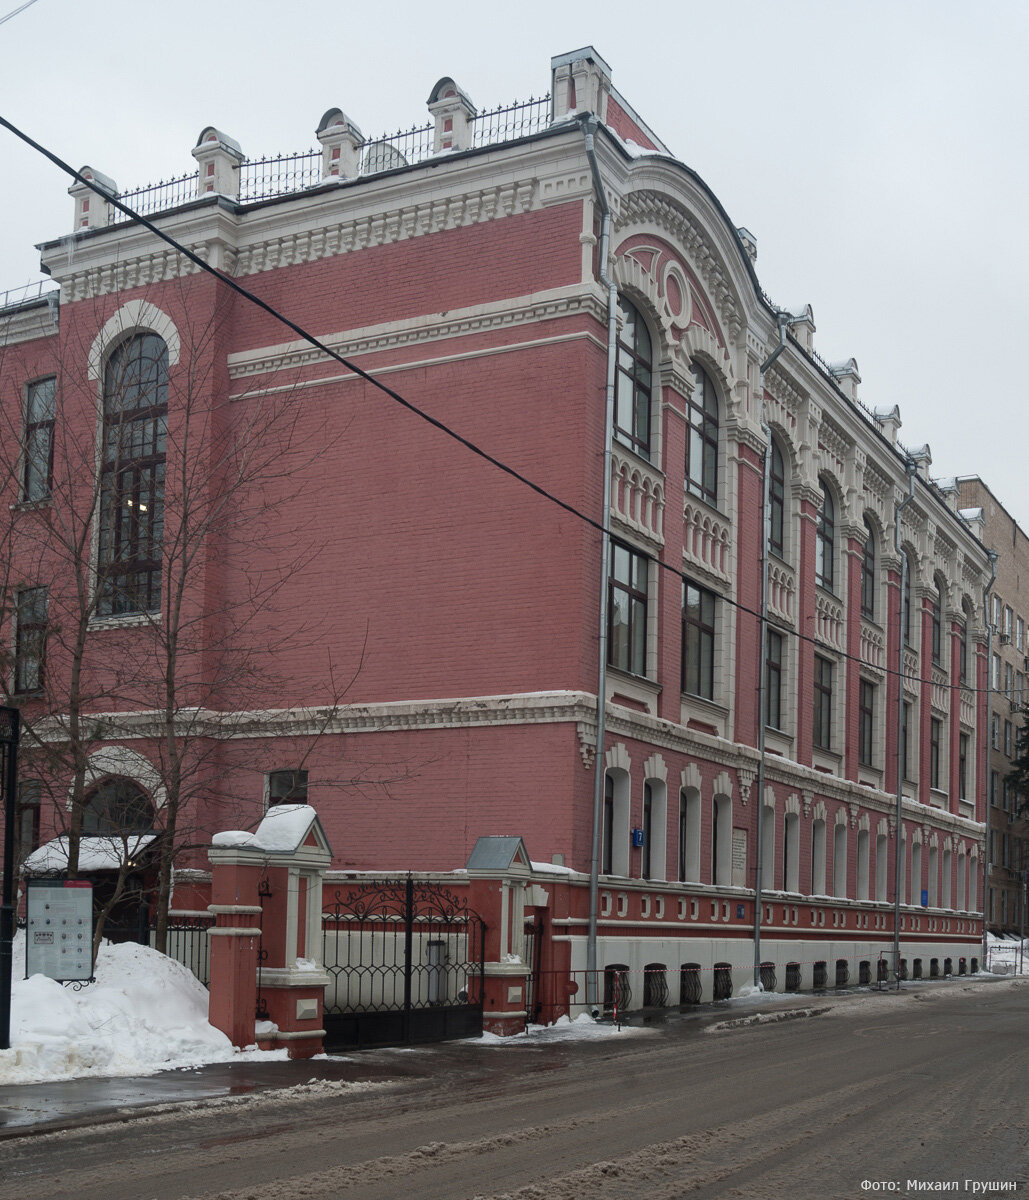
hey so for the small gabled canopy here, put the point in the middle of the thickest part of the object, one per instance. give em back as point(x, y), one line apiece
point(498, 854)
point(336, 117)
point(446, 88)
point(287, 830)
point(102, 181)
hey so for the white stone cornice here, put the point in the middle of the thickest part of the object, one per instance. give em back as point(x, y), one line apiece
point(393, 335)
point(28, 324)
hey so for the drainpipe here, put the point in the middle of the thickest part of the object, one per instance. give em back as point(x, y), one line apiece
point(589, 125)
point(988, 733)
point(762, 664)
point(911, 467)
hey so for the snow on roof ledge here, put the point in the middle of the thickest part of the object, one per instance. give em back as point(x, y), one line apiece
point(96, 853)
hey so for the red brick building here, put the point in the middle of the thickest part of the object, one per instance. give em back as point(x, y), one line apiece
point(363, 612)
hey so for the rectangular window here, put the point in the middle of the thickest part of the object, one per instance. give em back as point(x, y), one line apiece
point(995, 604)
point(995, 731)
point(1007, 622)
point(996, 673)
point(866, 722)
point(963, 654)
point(38, 447)
point(773, 680)
point(29, 639)
point(1019, 634)
point(905, 724)
point(935, 734)
point(627, 621)
point(1006, 796)
point(822, 731)
point(287, 787)
point(994, 787)
point(1007, 738)
point(1009, 679)
point(698, 640)
point(26, 819)
point(963, 766)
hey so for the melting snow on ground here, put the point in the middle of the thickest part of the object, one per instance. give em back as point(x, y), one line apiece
point(583, 1028)
point(1004, 956)
point(145, 1013)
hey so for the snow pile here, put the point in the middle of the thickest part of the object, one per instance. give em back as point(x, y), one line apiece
point(145, 1013)
point(583, 1028)
point(95, 853)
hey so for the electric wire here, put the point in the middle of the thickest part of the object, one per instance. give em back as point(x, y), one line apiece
point(774, 623)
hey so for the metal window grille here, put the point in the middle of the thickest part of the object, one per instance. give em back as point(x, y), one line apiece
point(864, 973)
point(962, 967)
point(975, 966)
point(934, 968)
point(723, 981)
point(690, 988)
point(882, 970)
point(616, 987)
point(819, 976)
point(793, 977)
point(918, 968)
point(842, 973)
point(655, 985)
point(768, 976)
point(947, 967)
point(903, 968)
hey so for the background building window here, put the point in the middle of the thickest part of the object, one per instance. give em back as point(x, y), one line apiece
point(633, 385)
point(866, 722)
point(30, 640)
point(773, 680)
point(40, 410)
point(698, 640)
point(132, 476)
point(825, 542)
point(627, 628)
point(822, 732)
point(702, 438)
point(287, 787)
point(963, 766)
point(117, 807)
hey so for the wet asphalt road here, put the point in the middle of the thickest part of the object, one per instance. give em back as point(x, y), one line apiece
point(928, 1087)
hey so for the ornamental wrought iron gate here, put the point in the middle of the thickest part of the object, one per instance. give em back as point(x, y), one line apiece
point(405, 962)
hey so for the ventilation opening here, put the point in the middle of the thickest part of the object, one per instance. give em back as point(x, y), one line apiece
point(864, 973)
point(793, 977)
point(918, 968)
point(842, 973)
point(768, 976)
point(819, 976)
point(655, 985)
point(934, 968)
point(903, 968)
point(723, 981)
point(689, 983)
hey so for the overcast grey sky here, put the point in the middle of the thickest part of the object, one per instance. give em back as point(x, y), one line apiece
point(878, 151)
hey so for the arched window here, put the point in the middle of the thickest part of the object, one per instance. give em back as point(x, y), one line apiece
point(868, 575)
point(825, 543)
point(132, 477)
point(702, 438)
point(116, 807)
point(633, 382)
point(777, 502)
point(937, 619)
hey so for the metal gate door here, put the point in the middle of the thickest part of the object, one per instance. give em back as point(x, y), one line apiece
point(405, 959)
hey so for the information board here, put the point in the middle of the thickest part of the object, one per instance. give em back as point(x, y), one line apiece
point(59, 929)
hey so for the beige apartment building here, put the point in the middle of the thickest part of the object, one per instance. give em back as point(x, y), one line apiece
point(1008, 833)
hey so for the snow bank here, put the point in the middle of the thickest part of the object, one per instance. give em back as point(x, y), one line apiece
point(145, 1013)
point(283, 829)
point(583, 1028)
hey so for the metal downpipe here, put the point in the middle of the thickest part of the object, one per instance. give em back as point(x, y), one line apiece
point(762, 664)
point(599, 773)
point(911, 468)
point(987, 734)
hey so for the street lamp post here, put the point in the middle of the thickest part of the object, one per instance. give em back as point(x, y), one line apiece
point(9, 729)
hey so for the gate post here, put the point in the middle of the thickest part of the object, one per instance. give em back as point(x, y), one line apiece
point(235, 904)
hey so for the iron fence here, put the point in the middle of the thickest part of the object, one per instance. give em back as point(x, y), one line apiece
point(189, 943)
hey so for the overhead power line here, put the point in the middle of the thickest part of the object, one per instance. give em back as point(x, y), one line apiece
point(411, 407)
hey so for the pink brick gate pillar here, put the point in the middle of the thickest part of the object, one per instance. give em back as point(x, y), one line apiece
point(235, 902)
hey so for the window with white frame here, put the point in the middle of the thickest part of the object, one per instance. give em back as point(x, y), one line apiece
point(825, 541)
point(777, 502)
point(866, 722)
point(633, 382)
point(627, 621)
point(38, 440)
point(698, 640)
point(30, 628)
point(869, 579)
point(287, 786)
point(702, 438)
point(822, 713)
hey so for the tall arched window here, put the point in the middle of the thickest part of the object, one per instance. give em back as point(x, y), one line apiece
point(825, 542)
point(132, 477)
point(868, 575)
point(777, 502)
point(702, 438)
point(633, 382)
point(937, 619)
